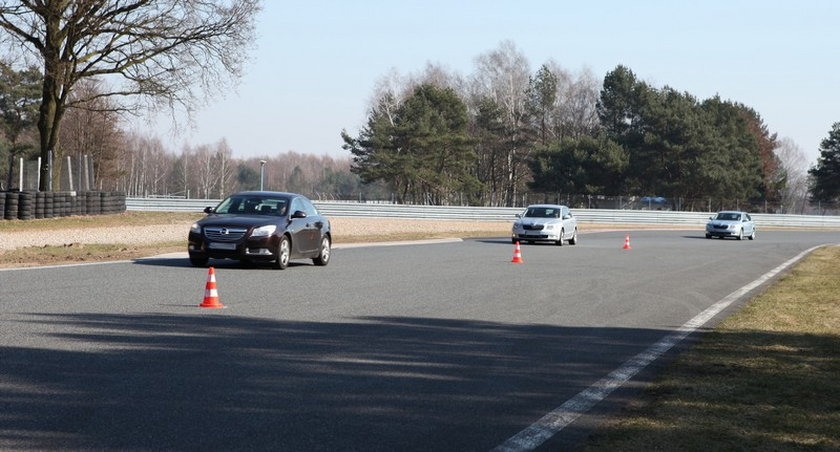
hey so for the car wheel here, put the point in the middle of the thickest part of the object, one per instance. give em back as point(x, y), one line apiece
point(323, 253)
point(708, 236)
point(559, 242)
point(741, 234)
point(752, 236)
point(573, 240)
point(199, 261)
point(513, 241)
point(283, 253)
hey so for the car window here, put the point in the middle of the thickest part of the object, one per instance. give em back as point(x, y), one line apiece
point(729, 216)
point(310, 209)
point(297, 204)
point(253, 205)
point(542, 212)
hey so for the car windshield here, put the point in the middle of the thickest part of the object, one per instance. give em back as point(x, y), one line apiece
point(542, 212)
point(253, 205)
point(728, 216)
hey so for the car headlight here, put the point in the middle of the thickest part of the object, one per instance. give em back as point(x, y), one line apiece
point(549, 227)
point(517, 225)
point(264, 231)
point(195, 228)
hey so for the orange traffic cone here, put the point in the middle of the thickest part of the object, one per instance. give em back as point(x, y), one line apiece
point(211, 296)
point(627, 242)
point(517, 255)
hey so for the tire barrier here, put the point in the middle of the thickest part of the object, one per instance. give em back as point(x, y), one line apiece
point(11, 210)
point(26, 205)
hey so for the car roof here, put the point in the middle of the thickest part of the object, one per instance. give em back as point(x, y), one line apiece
point(552, 206)
point(267, 193)
point(732, 211)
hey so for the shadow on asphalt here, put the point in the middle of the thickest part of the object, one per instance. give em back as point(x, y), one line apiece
point(216, 381)
point(219, 382)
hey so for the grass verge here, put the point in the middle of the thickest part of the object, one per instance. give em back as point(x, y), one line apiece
point(767, 378)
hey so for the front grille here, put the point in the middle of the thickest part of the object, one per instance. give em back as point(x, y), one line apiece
point(532, 227)
point(220, 234)
point(720, 226)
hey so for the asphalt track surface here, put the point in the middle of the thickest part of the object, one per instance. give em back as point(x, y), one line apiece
point(446, 346)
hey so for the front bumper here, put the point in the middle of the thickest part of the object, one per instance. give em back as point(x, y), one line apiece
point(536, 235)
point(715, 232)
point(249, 248)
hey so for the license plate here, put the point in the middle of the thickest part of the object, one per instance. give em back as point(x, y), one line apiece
point(221, 246)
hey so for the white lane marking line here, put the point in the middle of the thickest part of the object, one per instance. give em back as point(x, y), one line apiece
point(558, 419)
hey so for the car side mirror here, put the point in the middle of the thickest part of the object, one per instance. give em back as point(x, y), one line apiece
point(208, 210)
point(711, 218)
point(519, 215)
point(299, 214)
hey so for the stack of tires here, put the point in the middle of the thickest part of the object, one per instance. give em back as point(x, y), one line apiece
point(24, 205)
point(10, 212)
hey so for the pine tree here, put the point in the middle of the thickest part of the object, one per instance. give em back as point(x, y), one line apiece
point(826, 174)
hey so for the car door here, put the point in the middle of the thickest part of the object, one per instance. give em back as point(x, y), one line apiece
point(297, 226)
point(302, 227)
point(569, 221)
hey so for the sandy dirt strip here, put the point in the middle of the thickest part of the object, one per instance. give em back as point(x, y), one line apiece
point(345, 230)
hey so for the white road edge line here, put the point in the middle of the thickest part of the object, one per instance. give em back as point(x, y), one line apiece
point(558, 419)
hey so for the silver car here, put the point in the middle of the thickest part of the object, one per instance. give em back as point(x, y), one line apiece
point(545, 223)
point(731, 224)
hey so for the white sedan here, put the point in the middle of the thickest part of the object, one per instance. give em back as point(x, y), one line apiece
point(731, 224)
point(545, 223)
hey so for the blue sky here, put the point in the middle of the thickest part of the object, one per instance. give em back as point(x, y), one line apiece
point(315, 63)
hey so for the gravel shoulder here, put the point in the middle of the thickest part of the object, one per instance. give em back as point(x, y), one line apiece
point(345, 230)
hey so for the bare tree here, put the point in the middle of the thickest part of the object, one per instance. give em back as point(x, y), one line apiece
point(795, 166)
point(167, 52)
point(92, 130)
point(502, 76)
point(224, 158)
point(203, 160)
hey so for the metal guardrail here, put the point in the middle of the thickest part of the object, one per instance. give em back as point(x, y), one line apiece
point(367, 210)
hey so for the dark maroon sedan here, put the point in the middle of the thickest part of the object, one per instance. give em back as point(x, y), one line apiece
point(261, 226)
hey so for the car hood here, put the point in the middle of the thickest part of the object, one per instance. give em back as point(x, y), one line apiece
point(724, 222)
point(543, 221)
point(238, 220)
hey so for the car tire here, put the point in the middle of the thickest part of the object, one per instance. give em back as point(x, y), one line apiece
point(573, 240)
point(513, 241)
point(708, 236)
point(741, 234)
point(323, 257)
point(199, 261)
point(559, 242)
point(752, 236)
point(284, 252)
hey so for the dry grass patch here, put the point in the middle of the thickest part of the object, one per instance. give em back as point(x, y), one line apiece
point(129, 218)
point(765, 379)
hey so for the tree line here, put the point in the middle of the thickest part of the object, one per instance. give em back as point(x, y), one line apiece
point(440, 138)
point(435, 138)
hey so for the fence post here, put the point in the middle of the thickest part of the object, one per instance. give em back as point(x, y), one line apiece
point(69, 173)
